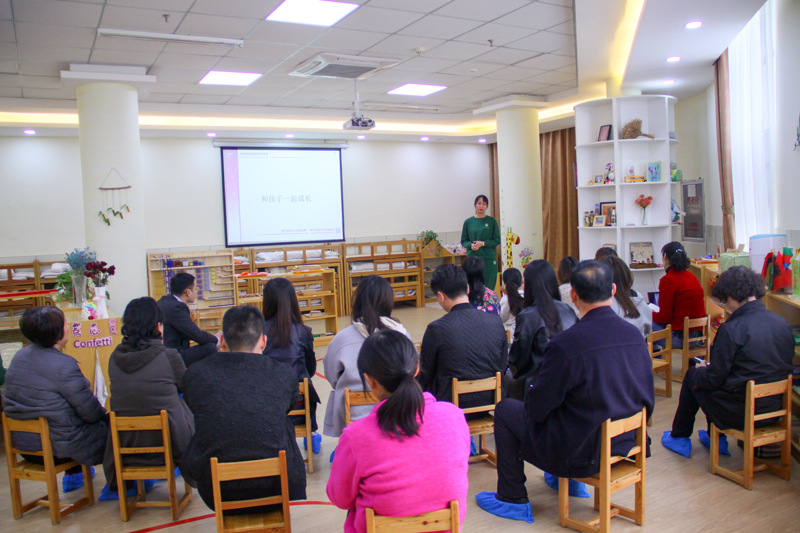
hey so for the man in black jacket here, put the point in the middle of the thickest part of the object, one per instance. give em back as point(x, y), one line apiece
point(753, 344)
point(465, 343)
point(179, 328)
point(598, 369)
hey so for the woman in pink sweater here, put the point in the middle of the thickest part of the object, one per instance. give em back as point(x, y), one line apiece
point(410, 455)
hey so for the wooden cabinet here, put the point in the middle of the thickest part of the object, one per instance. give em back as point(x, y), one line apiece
point(434, 255)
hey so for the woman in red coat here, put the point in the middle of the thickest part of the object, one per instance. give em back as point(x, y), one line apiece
point(680, 294)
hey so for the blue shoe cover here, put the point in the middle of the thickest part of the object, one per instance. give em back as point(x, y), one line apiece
point(705, 440)
point(576, 488)
point(513, 511)
point(305, 443)
point(473, 448)
point(680, 445)
point(72, 482)
point(107, 495)
point(316, 442)
point(177, 471)
point(332, 454)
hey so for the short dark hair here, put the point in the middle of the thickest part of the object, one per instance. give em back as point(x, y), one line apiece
point(43, 325)
point(676, 255)
point(373, 300)
point(738, 283)
point(140, 322)
point(604, 252)
point(180, 282)
point(242, 326)
point(481, 197)
point(565, 268)
point(450, 280)
point(592, 281)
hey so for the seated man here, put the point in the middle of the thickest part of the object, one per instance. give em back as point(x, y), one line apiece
point(597, 369)
point(240, 399)
point(465, 343)
point(179, 328)
point(752, 344)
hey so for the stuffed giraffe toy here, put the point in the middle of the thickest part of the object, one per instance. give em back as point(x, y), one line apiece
point(511, 239)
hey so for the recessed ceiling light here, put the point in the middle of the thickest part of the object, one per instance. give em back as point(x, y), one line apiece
point(211, 134)
point(417, 89)
point(673, 59)
point(482, 141)
point(423, 139)
point(312, 12)
point(361, 137)
point(669, 82)
point(221, 77)
point(29, 132)
point(693, 25)
point(290, 135)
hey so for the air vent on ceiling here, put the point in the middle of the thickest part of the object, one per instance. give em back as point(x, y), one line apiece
point(342, 66)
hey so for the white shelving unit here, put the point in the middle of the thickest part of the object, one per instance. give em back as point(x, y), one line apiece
point(657, 114)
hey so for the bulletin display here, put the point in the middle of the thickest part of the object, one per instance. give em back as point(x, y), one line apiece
point(90, 339)
point(694, 221)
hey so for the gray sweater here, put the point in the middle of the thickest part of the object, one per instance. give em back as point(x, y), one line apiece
point(645, 321)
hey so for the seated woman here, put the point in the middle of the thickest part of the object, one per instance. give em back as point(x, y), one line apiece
point(511, 302)
point(372, 311)
point(480, 296)
point(679, 294)
point(146, 378)
point(43, 381)
point(632, 308)
point(543, 317)
point(409, 456)
point(565, 268)
point(753, 344)
point(290, 342)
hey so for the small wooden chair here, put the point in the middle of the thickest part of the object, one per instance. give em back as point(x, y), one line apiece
point(272, 522)
point(615, 474)
point(687, 353)
point(357, 398)
point(485, 425)
point(47, 472)
point(663, 365)
point(305, 429)
point(140, 473)
point(754, 437)
point(443, 520)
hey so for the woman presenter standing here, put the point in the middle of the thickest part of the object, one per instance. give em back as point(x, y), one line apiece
point(481, 237)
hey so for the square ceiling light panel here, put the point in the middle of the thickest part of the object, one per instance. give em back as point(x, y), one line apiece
point(221, 77)
point(417, 89)
point(311, 12)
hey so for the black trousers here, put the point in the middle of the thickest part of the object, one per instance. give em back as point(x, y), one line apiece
point(197, 353)
point(692, 400)
point(511, 438)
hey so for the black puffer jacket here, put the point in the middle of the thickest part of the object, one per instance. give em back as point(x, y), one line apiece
point(531, 337)
point(45, 382)
point(465, 344)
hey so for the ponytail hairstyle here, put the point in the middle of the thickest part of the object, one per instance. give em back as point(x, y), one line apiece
point(541, 290)
point(512, 279)
point(373, 300)
point(678, 260)
point(390, 358)
point(623, 279)
point(476, 273)
point(280, 303)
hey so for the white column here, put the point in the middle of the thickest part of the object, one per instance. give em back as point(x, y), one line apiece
point(520, 180)
point(108, 115)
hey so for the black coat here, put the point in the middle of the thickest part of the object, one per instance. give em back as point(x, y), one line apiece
point(531, 338)
point(240, 401)
point(179, 328)
point(753, 344)
point(465, 344)
point(597, 369)
point(299, 354)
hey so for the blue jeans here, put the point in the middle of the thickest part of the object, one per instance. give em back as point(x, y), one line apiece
point(677, 338)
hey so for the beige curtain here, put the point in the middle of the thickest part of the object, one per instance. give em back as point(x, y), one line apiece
point(559, 195)
point(724, 149)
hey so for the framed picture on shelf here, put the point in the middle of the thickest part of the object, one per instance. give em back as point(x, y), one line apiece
point(599, 221)
point(605, 133)
point(608, 209)
point(654, 171)
point(598, 179)
point(641, 253)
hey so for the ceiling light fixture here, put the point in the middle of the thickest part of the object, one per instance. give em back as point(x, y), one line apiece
point(693, 25)
point(673, 59)
point(381, 105)
point(417, 89)
point(221, 77)
point(669, 82)
point(424, 139)
point(311, 12)
point(167, 37)
point(211, 134)
point(361, 137)
point(290, 135)
point(482, 141)
point(29, 132)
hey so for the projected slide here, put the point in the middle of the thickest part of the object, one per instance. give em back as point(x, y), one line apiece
point(280, 196)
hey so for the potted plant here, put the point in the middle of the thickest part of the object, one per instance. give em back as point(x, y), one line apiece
point(77, 261)
point(427, 237)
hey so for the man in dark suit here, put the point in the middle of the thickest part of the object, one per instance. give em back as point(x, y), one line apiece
point(465, 343)
point(179, 328)
point(596, 370)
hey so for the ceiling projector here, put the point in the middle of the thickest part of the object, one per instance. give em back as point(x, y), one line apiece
point(359, 122)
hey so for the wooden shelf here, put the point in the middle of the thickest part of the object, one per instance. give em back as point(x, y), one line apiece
point(387, 253)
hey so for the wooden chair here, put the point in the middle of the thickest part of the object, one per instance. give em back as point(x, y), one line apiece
point(687, 353)
point(485, 425)
point(271, 522)
point(357, 398)
point(305, 429)
point(140, 473)
point(443, 520)
point(615, 474)
point(47, 472)
point(663, 365)
point(754, 437)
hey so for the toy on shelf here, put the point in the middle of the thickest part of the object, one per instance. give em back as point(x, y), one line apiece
point(608, 177)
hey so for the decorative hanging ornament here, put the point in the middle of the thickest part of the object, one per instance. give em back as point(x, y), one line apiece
point(115, 197)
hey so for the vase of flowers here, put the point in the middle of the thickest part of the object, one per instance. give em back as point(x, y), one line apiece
point(99, 272)
point(644, 202)
point(77, 261)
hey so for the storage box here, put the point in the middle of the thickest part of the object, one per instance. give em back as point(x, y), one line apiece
point(728, 260)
